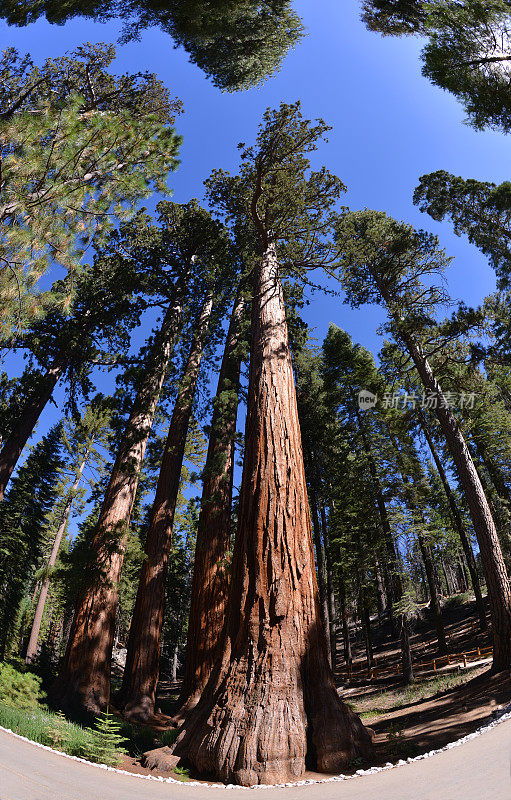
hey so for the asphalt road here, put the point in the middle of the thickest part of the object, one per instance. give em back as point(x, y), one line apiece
point(477, 770)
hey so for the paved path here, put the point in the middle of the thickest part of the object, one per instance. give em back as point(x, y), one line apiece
point(477, 770)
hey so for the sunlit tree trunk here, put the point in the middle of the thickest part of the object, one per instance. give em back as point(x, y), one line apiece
point(210, 580)
point(271, 698)
point(84, 678)
point(138, 692)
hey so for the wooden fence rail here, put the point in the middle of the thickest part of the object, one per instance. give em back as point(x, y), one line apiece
point(434, 664)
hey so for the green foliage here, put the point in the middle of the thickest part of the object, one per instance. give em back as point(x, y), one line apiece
point(23, 514)
point(78, 148)
point(22, 690)
point(47, 728)
point(478, 209)
point(467, 52)
point(238, 43)
point(107, 740)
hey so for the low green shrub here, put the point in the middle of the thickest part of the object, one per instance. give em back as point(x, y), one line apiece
point(18, 689)
point(107, 741)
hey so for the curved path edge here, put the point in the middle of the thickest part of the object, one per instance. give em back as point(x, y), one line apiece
point(475, 766)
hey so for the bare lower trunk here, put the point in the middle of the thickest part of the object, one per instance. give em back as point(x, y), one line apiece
point(406, 653)
point(332, 616)
point(365, 619)
point(84, 678)
point(138, 692)
point(38, 616)
point(457, 522)
point(348, 658)
point(380, 591)
point(434, 602)
point(210, 580)
point(16, 441)
point(271, 700)
point(320, 572)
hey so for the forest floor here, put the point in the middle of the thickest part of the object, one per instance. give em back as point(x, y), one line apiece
point(440, 707)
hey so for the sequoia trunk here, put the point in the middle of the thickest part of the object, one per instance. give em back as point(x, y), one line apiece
point(138, 691)
point(84, 679)
point(271, 699)
point(210, 580)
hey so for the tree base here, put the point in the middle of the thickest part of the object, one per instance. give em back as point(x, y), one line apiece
point(77, 699)
point(264, 730)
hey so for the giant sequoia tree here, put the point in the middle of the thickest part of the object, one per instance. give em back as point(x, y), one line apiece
point(238, 43)
point(271, 701)
point(386, 261)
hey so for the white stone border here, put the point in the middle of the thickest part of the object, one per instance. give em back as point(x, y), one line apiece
point(503, 716)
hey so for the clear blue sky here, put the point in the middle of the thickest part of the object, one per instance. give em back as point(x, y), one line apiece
point(390, 125)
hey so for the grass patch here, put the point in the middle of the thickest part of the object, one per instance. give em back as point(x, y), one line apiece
point(47, 728)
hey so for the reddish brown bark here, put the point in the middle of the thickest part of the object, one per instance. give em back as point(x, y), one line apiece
point(84, 678)
point(43, 594)
point(210, 580)
point(138, 691)
point(271, 700)
point(25, 425)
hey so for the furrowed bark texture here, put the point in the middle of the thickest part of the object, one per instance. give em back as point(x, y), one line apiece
point(138, 691)
point(497, 582)
point(43, 594)
point(210, 582)
point(23, 430)
point(271, 699)
point(84, 678)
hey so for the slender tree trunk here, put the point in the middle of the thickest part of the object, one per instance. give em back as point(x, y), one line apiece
point(332, 616)
point(380, 592)
point(321, 571)
point(406, 652)
point(499, 591)
point(210, 582)
point(174, 663)
point(365, 619)
point(348, 658)
point(457, 521)
point(84, 678)
point(38, 617)
point(140, 679)
point(271, 699)
point(16, 441)
point(434, 602)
